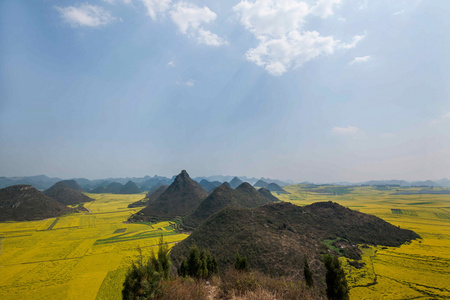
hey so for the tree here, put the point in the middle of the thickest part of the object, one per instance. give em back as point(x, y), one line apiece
point(200, 264)
point(193, 263)
point(213, 267)
point(182, 270)
point(143, 279)
point(241, 263)
point(308, 274)
point(337, 288)
point(163, 258)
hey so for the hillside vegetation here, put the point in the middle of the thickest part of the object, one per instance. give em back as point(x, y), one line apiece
point(276, 238)
point(67, 192)
point(180, 199)
point(25, 203)
point(224, 196)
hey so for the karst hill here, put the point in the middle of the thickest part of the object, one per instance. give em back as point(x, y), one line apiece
point(273, 187)
point(25, 203)
point(208, 185)
point(67, 192)
point(150, 197)
point(180, 199)
point(235, 182)
point(224, 196)
point(277, 237)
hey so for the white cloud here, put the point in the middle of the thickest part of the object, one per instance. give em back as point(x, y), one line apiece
point(355, 41)
point(211, 39)
point(360, 59)
point(171, 64)
point(345, 130)
point(290, 51)
point(156, 7)
point(189, 19)
point(85, 15)
point(271, 18)
point(189, 16)
point(190, 83)
point(324, 8)
point(278, 27)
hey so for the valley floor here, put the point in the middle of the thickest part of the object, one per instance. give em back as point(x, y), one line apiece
point(77, 256)
point(85, 256)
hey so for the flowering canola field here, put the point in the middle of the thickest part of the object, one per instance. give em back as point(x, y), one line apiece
point(77, 256)
point(419, 270)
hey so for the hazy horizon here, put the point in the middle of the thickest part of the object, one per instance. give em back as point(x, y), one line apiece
point(319, 90)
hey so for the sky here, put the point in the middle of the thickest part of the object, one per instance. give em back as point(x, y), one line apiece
point(319, 90)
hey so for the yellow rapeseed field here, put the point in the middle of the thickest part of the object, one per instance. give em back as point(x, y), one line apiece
point(86, 255)
point(419, 270)
point(77, 256)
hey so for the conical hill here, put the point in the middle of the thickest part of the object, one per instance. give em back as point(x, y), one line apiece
point(266, 193)
point(273, 187)
point(25, 203)
point(224, 196)
point(150, 197)
point(235, 182)
point(63, 193)
point(180, 199)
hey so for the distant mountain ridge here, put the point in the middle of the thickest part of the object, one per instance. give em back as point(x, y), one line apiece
point(43, 182)
point(444, 182)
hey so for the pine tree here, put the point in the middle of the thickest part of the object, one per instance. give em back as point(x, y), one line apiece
point(337, 288)
point(213, 267)
point(182, 270)
point(200, 264)
point(194, 263)
point(203, 272)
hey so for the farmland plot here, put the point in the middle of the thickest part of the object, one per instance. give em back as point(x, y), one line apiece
point(419, 270)
point(77, 255)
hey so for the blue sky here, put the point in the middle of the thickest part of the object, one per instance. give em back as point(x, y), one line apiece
point(326, 90)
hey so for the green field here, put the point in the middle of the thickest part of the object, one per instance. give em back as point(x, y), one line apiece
point(77, 256)
point(85, 255)
point(419, 270)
